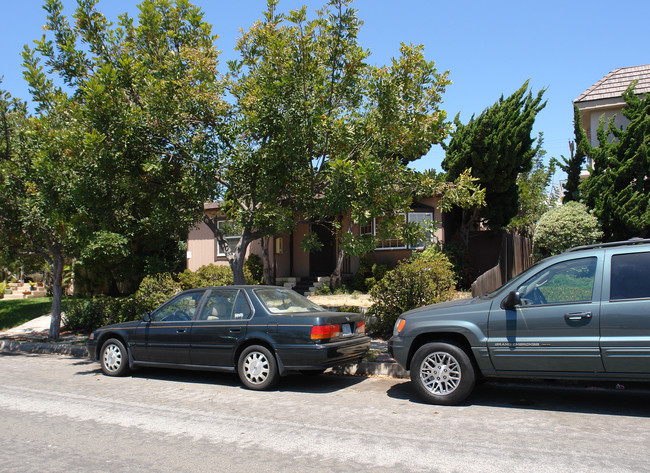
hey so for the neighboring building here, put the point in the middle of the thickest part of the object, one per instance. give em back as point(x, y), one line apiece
point(290, 261)
point(604, 99)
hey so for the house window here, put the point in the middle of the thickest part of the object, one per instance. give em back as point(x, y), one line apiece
point(425, 220)
point(368, 229)
point(229, 233)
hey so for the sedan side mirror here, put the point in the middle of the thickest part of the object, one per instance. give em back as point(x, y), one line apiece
point(146, 317)
point(512, 300)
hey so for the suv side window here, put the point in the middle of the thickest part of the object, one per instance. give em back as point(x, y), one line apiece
point(565, 282)
point(630, 276)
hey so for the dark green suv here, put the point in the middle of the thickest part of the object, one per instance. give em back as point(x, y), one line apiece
point(584, 314)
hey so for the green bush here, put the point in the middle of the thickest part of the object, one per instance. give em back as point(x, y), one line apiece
point(86, 315)
point(3, 286)
point(564, 227)
point(368, 274)
point(154, 290)
point(425, 279)
point(255, 267)
point(349, 308)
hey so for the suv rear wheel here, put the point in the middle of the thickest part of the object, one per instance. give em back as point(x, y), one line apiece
point(442, 373)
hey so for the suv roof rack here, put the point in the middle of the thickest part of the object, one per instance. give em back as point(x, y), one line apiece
point(631, 241)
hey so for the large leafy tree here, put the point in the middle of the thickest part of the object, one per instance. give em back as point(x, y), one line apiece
point(319, 132)
point(498, 146)
point(37, 185)
point(618, 189)
point(149, 104)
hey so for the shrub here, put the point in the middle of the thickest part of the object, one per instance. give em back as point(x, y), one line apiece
point(427, 278)
point(368, 274)
point(154, 290)
point(86, 315)
point(255, 267)
point(349, 308)
point(564, 227)
point(3, 286)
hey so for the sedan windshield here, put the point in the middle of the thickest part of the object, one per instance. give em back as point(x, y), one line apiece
point(285, 301)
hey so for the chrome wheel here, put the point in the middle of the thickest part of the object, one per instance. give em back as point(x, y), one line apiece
point(256, 367)
point(112, 358)
point(440, 373)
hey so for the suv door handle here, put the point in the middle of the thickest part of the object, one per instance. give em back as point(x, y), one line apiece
point(575, 316)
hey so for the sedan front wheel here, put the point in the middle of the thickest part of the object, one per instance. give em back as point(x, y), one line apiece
point(442, 373)
point(114, 358)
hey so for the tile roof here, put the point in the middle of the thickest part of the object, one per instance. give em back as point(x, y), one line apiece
point(616, 82)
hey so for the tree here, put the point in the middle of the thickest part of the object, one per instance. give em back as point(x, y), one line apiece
point(572, 166)
point(497, 146)
point(36, 186)
point(317, 133)
point(564, 227)
point(149, 104)
point(534, 197)
point(618, 189)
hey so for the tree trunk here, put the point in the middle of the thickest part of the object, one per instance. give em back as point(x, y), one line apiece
point(236, 256)
point(340, 256)
point(57, 295)
point(266, 261)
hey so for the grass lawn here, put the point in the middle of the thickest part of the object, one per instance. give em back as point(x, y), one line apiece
point(18, 311)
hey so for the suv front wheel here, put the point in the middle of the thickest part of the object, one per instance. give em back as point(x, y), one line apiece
point(442, 373)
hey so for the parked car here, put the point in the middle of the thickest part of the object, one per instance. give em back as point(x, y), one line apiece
point(260, 332)
point(584, 314)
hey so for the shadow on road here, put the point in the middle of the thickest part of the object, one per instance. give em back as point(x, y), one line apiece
point(321, 384)
point(588, 398)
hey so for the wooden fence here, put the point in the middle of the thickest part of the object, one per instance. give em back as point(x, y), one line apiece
point(515, 257)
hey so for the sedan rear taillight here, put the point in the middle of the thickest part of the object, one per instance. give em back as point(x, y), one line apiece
point(361, 327)
point(322, 332)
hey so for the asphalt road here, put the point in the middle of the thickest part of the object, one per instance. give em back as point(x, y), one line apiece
point(60, 414)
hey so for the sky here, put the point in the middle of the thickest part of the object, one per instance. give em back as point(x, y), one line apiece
point(489, 47)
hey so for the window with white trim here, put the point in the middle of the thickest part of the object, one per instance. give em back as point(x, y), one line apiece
point(229, 233)
point(425, 219)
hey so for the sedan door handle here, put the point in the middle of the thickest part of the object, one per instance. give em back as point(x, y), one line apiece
point(235, 330)
point(575, 316)
point(180, 330)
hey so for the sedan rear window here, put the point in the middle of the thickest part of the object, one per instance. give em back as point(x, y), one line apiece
point(285, 301)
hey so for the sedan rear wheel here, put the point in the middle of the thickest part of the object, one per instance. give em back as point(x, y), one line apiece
point(442, 373)
point(114, 358)
point(257, 368)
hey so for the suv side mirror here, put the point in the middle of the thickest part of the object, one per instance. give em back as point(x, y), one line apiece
point(512, 300)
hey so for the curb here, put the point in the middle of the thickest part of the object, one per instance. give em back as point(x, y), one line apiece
point(365, 368)
point(77, 351)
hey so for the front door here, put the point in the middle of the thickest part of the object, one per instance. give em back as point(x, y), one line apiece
point(221, 324)
point(556, 328)
point(323, 262)
point(166, 338)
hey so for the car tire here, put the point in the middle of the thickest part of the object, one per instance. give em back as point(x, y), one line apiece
point(442, 373)
point(257, 368)
point(114, 358)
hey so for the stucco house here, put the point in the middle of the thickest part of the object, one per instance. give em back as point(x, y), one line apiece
point(291, 263)
point(604, 99)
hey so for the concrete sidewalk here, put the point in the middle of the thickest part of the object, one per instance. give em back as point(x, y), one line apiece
point(31, 337)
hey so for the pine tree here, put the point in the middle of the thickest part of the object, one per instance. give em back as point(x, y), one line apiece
point(573, 165)
point(618, 189)
point(497, 146)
